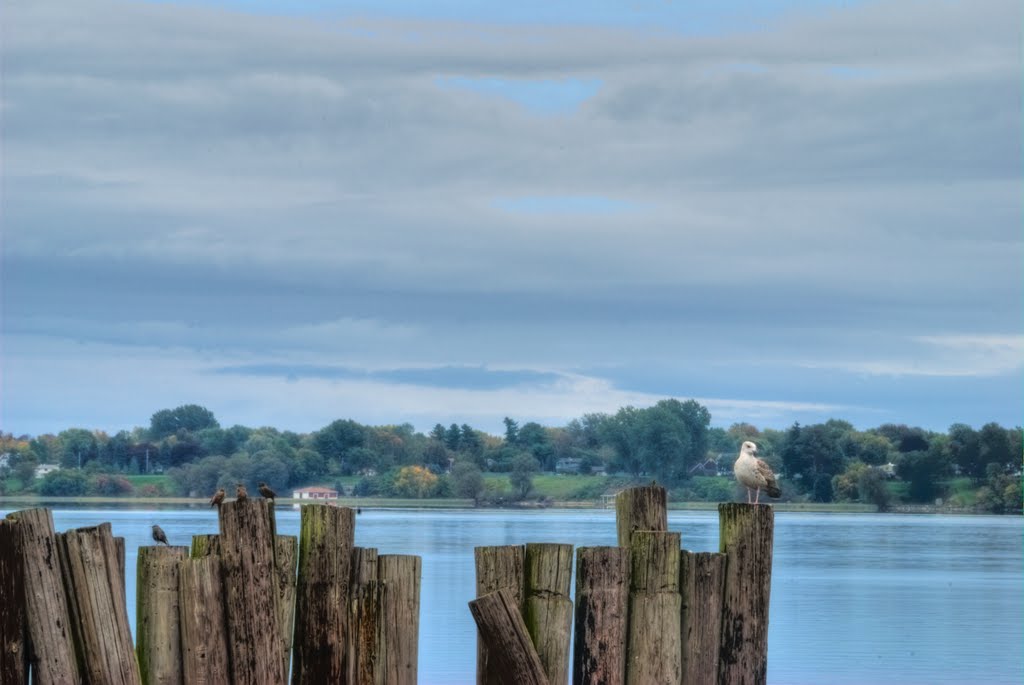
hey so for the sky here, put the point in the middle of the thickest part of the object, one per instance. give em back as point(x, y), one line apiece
point(455, 211)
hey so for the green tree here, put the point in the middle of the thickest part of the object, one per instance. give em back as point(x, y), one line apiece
point(872, 488)
point(453, 437)
point(78, 447)
point(524, 467)
point(995, 446)
point(191, 417)
point(468, 481)
point(923, 470)
point(335, 440)
point(533, 437)
point(511, 431)
point(64, 483)
point(965, 450)
point(470, 441)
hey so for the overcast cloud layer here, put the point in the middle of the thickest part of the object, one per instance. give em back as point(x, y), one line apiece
point(406, 217)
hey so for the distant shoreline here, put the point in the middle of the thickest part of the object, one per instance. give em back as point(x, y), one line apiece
point(390, 503)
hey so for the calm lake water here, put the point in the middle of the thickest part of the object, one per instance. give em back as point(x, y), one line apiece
point(858, 599)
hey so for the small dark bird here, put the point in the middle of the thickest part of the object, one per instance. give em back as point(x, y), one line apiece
point(267, 492)
point(159, 535)
point(217, 498)
point(240, 493)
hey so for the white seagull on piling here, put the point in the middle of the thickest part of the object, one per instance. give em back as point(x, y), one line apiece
point(751, 472)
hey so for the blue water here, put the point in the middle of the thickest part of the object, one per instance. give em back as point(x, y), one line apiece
point(881, 599)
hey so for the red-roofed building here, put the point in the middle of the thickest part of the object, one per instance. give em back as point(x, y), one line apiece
point(315, 492)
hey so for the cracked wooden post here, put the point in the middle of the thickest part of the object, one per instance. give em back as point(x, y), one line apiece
point(286, 558)
point(51, 644)
point(13, 637)
point(497, 568)
point(249, 574)
point(701, 583)
point(547, 608)
point(398, 581)
point(321, 602)
point(602, 595)
point(364, 617)
point(746, 534)
point(97, 605)
point(654, 644)
point(204, 546)
point(157, 617)
point(512, 657)
point(643, 508)
point(204, 630)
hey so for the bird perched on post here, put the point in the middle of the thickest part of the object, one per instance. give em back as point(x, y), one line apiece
point(159, 535)
point(240, 493)
point(751, 472)
point(267, 492)
point(218, 497)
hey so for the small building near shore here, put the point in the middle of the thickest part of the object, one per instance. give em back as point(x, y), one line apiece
point(44, 469)
point(316, 492)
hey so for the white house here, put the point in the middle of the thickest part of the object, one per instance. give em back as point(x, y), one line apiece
point(44, 469)
point(315, 492)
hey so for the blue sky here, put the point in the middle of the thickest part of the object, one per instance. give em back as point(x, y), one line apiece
point(453, 212)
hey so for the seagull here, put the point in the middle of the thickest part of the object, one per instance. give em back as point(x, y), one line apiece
point(217, 498)
point(751, 472)
point(267, 492)
point(240, 493)
point(159, 535)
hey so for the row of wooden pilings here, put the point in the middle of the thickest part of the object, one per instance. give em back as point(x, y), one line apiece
point(244, 606)
point(251, 606)
point(646, 611)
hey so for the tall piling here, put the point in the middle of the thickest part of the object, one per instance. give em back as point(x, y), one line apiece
point(701, 585)
point(364, 617)
point(205, 658)
point(13, 638)
point(398, 580)
point(654, 641)
point(642, 508)
point(497, 568)
point(547, 607)
point(602, 595)
point(746, 533)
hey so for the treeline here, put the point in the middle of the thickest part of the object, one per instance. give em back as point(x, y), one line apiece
point(671, 441)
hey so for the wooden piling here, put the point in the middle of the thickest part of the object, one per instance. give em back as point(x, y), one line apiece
point(51, 644)
point(157, 617)
point(321, 606)
point(398, 579)
point(364, 617)
point(286, 556)
point(97, 605)
point(204, 546)
point(497, 568)
point(249, 573)
point(204, 628)
point(602, 594)
point(701, 584)
point(642, 508)
point(746, 534)
point(513, 658)
point(547, 607)
point(654, 644)
point(13, 638)
point(119, 549)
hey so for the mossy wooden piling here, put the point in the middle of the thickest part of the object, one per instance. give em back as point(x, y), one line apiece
point(602, 594)
point(643, 508)
point(513, 660)
point(157, 617)
point(97, 605)
point(286, 556)
point(51, 644)
point(701, 583)
point(746, 538)
point(654, 644)
point(203, 623)
point(547, 607)
point(321, 607)
point(398, 582)
point(13, 638)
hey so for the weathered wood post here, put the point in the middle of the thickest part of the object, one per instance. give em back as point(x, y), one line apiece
point(512, 657)
point(52, 647)
point(398, 580)
point(654, 643)
point(547, 608)
point(204, 629)
point(97, 605)
point(204, 546)
point(497, 568)
point(364, 617)
point(13, 639)
point(701, 583)
point(119, 548)
point(602, 595)
point(157, 619)
point(746, 534)
point(643, 508)
point(249, 573)
point(321, 606)
point(286, 557)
